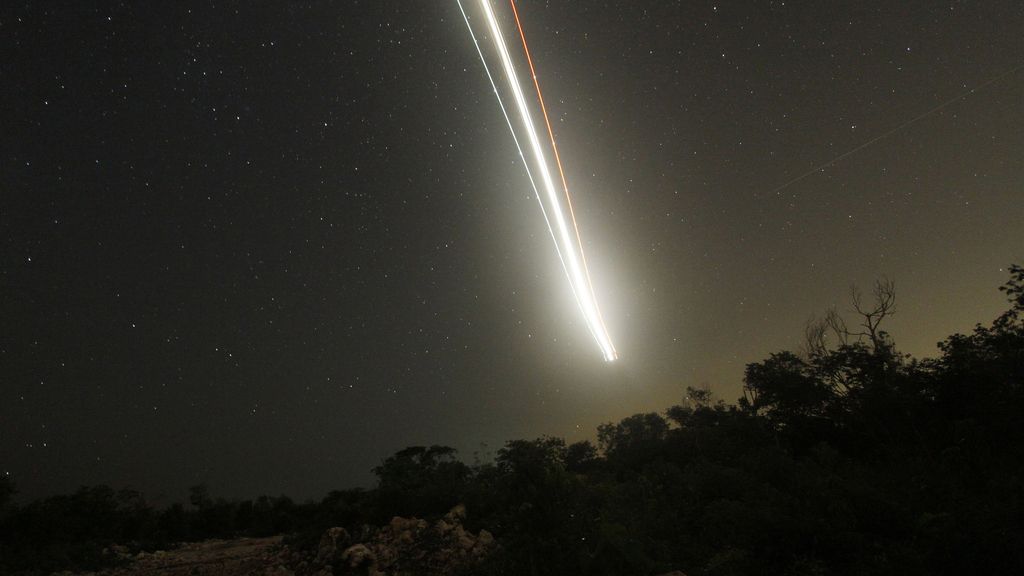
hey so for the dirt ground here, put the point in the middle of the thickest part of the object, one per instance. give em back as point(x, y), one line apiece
point(210, 558)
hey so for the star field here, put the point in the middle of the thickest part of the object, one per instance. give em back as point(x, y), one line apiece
point(264, 246)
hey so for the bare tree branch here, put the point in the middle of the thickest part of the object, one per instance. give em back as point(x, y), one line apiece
point(815, 339)
point(836, 323)
point(884, 305)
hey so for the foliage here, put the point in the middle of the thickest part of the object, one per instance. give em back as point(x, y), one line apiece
point(848, 458)
point(419, 481)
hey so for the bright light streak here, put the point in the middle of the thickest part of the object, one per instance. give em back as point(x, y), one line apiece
point(515, 138)
point(558, 162)
point(570, 251)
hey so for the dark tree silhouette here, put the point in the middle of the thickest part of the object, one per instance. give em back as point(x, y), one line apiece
point(847, 459)
point(421, 480)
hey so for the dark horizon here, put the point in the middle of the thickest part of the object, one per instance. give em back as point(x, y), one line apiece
point(263, 248)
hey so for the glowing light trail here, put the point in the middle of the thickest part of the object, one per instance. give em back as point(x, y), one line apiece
point(558, 162)
point(570, 252)
point(529, 173)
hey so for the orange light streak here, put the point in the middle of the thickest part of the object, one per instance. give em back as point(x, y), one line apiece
point(558, 161)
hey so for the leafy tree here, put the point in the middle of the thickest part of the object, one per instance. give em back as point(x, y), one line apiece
point(580, 456)
point(633, 440)
point(420, 481)
point(848, 458)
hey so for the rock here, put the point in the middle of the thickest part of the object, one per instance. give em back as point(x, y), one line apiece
point(118, 551)
point(359, 556)
point(332, 542)
point(399, 524)
point(456, 514)
point(673, 573)
point(408, 546)
point(387, 552)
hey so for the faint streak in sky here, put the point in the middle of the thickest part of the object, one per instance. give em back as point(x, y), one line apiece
point(896, 129)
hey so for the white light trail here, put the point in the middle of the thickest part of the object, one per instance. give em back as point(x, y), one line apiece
point(570, 252)
point(515, 138)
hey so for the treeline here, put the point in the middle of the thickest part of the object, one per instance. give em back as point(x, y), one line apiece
point(78, 530)
point(846, 457)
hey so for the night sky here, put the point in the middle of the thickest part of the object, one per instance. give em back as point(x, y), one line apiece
point(264, 245)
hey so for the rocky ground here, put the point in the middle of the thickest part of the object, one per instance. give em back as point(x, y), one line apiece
point(405, 547)
point(212, 557)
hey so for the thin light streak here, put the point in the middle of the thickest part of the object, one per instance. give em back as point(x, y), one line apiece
point(896, 129)
point(585, 297)
point(558, 162)
point(526, 165)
